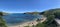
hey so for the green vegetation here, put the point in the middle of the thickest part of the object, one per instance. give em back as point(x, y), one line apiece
point(2, 22)
point(40, 25)
point(26, 26)
point(51, 15)
point(55, 12)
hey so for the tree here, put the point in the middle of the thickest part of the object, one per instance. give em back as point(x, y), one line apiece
point(2, 22)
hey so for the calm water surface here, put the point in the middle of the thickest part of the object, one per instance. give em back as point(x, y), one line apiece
point(16, 18)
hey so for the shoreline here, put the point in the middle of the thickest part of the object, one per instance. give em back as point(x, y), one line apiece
point(21, 22)
point(30, 23)
point(25, 24)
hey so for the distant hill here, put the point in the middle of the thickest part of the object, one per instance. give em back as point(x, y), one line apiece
point(55, 12)
point(4, 13)
point(32, 13)
point(51, 15)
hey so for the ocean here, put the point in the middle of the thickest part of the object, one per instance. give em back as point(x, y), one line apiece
point(17, 18)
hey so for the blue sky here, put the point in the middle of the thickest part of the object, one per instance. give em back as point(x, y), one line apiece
point(19, 6)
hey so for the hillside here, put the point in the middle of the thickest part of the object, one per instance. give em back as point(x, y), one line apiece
point(55, 12)
point(51, 16)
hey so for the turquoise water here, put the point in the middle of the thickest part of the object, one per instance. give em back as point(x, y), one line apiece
point(19, 18)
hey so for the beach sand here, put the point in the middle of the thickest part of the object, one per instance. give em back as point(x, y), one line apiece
point(29, 23)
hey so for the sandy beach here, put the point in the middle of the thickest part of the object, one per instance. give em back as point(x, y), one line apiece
point(30, 23)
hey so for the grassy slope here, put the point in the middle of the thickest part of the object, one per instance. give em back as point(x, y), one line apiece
point(51, 15)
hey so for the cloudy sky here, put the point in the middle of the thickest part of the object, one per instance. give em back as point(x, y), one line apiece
point(19, 6)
